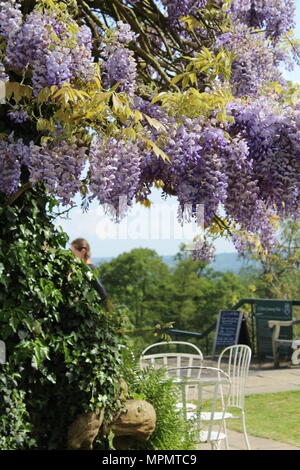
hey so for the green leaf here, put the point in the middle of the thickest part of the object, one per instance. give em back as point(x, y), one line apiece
point(158, 152)
point(175, 80)
point(117, 103)
point(154, 123)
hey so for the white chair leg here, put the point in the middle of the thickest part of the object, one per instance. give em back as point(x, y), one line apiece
point(226, 436)
point(245, 432)
point(215, 445)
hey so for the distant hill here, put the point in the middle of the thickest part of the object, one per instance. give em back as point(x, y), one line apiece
point(223, 262)
point(230, 262)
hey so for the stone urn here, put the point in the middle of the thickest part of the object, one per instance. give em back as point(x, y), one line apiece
point(136, 421)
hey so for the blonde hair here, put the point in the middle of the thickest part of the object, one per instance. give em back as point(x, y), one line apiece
point(80, 243)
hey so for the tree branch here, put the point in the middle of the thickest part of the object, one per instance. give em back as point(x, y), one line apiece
point(89, 13)
point(16, 195)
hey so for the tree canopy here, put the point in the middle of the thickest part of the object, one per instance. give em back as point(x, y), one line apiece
point(278, 275)
point(189, 294)
point(108, 98)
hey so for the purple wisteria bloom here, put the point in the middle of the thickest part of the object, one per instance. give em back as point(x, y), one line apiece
point(10, 165)
point(115, 172)
point(59, 167)
point(119, 65)
point(44, 43)
point(177, 8)
point(18, 115)
point(255, 64)
point(10, 18)
point(277, 17)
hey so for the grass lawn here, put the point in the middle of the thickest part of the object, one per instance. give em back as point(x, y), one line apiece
point(273, 416)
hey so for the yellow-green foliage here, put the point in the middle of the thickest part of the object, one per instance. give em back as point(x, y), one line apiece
point(212, 65)
point(193, 103)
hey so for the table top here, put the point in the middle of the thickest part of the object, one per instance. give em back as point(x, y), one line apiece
point(200, 381)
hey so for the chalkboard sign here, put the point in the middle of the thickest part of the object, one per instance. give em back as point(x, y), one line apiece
point(228, 328)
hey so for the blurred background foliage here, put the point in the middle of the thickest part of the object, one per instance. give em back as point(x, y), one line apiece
point(191, 293)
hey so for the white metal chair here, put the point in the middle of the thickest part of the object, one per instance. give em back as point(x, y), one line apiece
point(171, 359)
point(235, 361)
point(209, 388)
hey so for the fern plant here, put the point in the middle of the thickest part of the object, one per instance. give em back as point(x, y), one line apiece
point(172, 432)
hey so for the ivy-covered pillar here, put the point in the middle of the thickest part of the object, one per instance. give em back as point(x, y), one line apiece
point(62, 346)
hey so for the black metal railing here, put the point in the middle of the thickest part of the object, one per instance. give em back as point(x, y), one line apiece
point(179, 334)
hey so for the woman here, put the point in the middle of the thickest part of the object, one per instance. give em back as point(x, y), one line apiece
point(81, 249)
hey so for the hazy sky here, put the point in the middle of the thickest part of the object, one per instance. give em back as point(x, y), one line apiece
point(154, 228)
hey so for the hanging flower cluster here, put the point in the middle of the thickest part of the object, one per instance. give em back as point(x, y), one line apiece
point(248, 163)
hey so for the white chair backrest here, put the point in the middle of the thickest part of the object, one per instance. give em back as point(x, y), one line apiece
point(235, 361)
point(209, 388)
point(169, 359)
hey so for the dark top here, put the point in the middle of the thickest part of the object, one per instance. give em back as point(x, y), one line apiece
point(98, 286)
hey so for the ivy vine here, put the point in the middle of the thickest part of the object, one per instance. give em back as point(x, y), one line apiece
point(63, 353)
